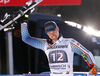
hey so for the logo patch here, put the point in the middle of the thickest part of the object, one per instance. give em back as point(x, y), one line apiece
point(78, 43)
point(60, 46)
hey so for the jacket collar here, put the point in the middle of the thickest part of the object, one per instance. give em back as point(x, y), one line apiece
point(58, 41)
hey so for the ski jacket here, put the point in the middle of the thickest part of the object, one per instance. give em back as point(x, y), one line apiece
point(60, 55)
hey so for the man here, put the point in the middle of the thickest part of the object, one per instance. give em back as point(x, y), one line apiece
point(59, 50)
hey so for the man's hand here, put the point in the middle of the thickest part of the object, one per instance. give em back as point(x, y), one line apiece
point(24, 18)
point(93, 70)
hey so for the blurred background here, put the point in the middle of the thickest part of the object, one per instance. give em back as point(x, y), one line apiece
point(28, 59)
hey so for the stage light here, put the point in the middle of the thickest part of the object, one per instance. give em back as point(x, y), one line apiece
point(73, 24)
point(98, 34)
point(59, 15)
point(88, 30)
point(79, 26)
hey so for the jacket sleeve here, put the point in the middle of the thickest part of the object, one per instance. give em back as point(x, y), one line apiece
point(32, 41)
point(81, 50)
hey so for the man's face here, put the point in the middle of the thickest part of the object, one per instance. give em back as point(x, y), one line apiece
point(54, 34)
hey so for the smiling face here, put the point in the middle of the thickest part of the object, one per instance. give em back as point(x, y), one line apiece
point(54, 34)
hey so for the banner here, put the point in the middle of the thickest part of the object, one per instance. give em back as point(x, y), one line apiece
point(44, 2)
point(60, 2)
point(12, 2)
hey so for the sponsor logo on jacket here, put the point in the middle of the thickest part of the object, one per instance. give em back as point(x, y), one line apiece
point(59, 46)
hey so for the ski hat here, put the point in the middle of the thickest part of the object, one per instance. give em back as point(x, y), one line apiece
point(50, 26)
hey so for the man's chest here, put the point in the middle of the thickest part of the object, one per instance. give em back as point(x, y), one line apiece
point(59, 53)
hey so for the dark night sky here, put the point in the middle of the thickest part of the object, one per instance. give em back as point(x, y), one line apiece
point(88, 13)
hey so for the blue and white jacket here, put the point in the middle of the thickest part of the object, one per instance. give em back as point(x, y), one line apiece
point(60, 55)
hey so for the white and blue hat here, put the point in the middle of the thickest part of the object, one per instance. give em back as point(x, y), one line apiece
point(50, 26)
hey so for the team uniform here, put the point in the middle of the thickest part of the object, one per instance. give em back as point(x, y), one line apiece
point(60, 55)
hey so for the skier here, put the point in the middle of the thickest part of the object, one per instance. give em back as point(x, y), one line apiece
point(59, 50)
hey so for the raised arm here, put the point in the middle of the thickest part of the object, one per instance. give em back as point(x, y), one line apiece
point(34, 42)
